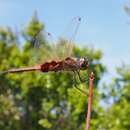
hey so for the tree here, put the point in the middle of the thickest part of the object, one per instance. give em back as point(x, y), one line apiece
point(116, 116)
point(44, 101)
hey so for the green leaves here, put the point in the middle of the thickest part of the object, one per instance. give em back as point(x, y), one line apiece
point(36, 100)
point(45, 123)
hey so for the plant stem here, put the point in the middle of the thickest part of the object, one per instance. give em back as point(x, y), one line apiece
point(91, 78)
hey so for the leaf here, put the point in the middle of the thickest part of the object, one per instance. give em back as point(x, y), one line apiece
point(45, 123)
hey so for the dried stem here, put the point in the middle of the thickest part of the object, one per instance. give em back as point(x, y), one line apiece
point(91, 78)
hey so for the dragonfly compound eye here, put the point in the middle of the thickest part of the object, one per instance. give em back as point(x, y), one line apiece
point(85, 64)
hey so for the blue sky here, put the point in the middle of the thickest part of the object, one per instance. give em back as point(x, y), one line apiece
point(104, 23)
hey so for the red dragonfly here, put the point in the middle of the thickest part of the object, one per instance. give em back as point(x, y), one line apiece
point(67, 64)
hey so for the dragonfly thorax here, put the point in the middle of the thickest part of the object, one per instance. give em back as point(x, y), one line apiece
point(83, 63)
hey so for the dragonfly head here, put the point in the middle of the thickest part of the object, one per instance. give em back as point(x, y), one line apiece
point(84, 63)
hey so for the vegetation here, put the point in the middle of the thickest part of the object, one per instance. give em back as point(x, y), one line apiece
point(49, 101)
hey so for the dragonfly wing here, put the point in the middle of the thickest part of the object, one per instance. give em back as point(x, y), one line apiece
point(42, 50)
point(69, 35)
point(60, 49)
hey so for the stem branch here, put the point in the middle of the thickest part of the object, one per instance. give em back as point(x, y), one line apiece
point(91, 78)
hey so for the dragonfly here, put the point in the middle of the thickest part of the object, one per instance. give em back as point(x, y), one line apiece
point(69, 63)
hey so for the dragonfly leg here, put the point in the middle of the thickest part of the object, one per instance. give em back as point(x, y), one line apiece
point(75, 85)
point(81, 80)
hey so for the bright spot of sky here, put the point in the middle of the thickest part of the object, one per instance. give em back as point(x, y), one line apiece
point(104, 23)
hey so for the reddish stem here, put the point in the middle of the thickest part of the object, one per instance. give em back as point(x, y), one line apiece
point(91, 78)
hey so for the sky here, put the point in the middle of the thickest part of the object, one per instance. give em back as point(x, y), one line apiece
point(104, 24)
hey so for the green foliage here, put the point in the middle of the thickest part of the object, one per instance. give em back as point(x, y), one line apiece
point(49, 101)
point(116, 116)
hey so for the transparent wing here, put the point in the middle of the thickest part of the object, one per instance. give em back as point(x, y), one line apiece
point(41, 51)
point(60, 49)
point(69, 35)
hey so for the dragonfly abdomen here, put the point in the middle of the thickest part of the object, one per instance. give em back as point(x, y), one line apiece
point(52, 66)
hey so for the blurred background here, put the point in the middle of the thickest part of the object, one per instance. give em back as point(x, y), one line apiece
point(38, 101)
